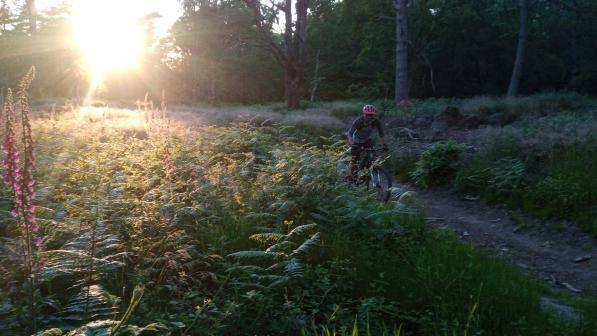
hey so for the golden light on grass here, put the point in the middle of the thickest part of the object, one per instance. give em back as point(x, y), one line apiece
point(109, 34)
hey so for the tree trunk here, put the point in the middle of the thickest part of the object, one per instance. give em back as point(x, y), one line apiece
point(32, 10)
point(401, 80)
point(293, 90)
point(293, 55)
point(296, 51)
point(520, 51)
point(316, 78)
point(32, 17)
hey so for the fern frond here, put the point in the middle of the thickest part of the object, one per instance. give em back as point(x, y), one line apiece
point(267, 237)
point(294, 268)
point(284, 247)
point(266, 278)
point(300, 230)
point(89, 303)
point(73, 263)
point(276, 266)
point(256, 254)
point(281, 281)
point(245, 269)
point(307, 245)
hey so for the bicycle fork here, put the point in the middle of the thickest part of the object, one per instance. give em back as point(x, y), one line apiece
point(374, 173)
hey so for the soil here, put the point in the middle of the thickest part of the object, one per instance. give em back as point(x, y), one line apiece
point(546, 249)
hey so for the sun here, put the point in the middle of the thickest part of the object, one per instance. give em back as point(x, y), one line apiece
point(108, 34)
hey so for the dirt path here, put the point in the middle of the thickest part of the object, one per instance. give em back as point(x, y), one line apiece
point(548, 253)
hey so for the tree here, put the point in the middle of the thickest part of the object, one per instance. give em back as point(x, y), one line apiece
point(291, 54)
point(520, 50)
point(32, 11)
point(401, 81)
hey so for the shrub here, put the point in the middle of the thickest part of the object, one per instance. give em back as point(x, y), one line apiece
point(438, 164)
point(508, 179)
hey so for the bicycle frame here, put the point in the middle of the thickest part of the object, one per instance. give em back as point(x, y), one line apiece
point(371, 161)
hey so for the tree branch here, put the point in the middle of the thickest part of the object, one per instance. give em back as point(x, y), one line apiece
point(265, 34)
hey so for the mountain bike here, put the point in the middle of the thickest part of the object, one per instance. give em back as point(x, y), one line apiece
point(373, 175)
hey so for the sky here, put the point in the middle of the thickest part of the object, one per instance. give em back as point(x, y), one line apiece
point(168, 9)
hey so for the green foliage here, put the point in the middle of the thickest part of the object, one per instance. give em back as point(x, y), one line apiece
point(438, 164)
point(505, 182)
point(541, 163)
point(568, 189)
point(113, 218)
point(401, 165)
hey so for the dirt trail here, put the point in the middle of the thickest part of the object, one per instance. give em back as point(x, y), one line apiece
point(548, 253)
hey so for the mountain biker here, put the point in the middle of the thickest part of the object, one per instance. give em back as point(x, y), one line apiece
point(359, 137)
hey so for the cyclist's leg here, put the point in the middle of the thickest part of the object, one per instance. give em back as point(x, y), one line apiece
point(367, 145)
point(355, 154)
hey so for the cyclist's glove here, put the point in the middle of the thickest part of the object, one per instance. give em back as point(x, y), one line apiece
point(385, 148)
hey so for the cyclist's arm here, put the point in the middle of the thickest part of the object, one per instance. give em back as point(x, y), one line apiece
point(351, 132)
point(380, 132)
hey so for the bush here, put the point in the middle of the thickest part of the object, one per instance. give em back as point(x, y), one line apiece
point(438, 164)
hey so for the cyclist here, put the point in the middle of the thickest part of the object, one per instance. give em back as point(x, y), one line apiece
point(359, 137)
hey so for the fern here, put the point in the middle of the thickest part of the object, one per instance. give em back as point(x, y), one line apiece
point(307, 245)
point(283, 247)
point(294, 268)
point(301, 230)
point(283, 280)
point(288, 266)
point(251, 269)
point(267, 237)
point(93, 303)
point(256, 254)
point(65, 263)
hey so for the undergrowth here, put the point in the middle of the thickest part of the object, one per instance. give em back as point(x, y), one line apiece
point(152, 225)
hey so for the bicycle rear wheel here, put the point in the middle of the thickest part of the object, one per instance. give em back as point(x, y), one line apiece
point(380, 182)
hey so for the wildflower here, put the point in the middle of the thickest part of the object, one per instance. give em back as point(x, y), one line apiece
point(10, 162)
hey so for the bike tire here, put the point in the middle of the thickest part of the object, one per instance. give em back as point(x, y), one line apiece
point(383, 190)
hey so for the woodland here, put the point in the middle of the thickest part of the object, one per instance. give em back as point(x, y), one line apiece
point(191, 180)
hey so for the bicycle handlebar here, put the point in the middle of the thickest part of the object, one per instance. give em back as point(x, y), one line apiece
point(371, 149)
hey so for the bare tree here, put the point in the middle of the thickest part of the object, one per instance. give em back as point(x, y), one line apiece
point(401, 80)
point(520, 50)
point(32, 17)
point(292, 52)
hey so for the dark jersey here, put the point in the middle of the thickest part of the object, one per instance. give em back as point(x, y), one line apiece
point(361, 129)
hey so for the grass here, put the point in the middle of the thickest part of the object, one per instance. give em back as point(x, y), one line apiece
point(542, 164)
point(444, 287)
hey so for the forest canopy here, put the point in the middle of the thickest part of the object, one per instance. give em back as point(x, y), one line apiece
point(215, 52)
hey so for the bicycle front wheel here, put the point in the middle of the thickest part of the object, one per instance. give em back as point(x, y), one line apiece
point(380, 182)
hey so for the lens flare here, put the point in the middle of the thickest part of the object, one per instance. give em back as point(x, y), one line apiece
point(108, 33)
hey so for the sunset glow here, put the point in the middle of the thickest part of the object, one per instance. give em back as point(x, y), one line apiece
point(108, 33)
